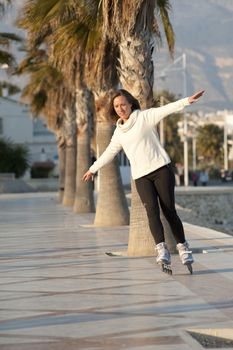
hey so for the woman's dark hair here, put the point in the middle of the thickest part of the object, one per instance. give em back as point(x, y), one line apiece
point(132, 100)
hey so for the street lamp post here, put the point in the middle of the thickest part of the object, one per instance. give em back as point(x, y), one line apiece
point(182, 58)
point(186, 175)
point(161, 124)
point(225, 142)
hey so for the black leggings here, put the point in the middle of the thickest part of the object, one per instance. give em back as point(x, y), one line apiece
point(160, 185)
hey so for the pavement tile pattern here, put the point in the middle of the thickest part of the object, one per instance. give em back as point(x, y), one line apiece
point(59, 290)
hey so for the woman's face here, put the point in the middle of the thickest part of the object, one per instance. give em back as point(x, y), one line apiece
point(122, 107)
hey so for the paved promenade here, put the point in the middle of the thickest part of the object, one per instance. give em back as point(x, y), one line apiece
point(59, 290)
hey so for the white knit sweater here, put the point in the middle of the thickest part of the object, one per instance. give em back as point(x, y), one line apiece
point(138, 138)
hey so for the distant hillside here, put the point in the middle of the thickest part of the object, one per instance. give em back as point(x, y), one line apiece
point(204, 31)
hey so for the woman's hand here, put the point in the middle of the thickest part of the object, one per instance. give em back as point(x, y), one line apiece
point(88, 176)
point(196, 96)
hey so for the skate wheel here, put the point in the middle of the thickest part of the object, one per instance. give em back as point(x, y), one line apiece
point(190, 268)
point(166, 268)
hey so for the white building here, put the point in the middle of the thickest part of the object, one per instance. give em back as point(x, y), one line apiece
point(17, 124)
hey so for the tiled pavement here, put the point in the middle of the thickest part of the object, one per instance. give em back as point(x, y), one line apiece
point(59, 290)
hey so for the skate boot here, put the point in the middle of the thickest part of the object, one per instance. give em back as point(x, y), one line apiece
point(163, 258)
point(185, 255)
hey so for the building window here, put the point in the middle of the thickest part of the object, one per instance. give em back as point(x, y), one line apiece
point(1, 126)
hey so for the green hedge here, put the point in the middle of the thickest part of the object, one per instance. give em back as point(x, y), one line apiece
point(13, 158)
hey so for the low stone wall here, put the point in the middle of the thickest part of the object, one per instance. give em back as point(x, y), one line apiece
point(14, 186)
point(7, 176)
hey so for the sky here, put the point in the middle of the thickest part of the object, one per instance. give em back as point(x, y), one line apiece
point(187, 36)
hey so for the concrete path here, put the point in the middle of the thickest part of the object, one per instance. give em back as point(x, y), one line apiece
point(59, 290)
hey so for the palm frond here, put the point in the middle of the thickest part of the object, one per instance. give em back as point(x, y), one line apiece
point(44, 78)
point(38, 102)
point(11, 88)
point(102, 65)
point(41, 17)
point(164, 7)
point(7, 58)
point(6, 38)
point(73, 36)
point(33, 61)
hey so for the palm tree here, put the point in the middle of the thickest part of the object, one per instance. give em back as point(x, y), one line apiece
point(134, 24)
point(103, 79)
point(54, 112)
point(70, 34)
point(68, 39)
point(99, 60)
point(44, 93)
point(34, 19)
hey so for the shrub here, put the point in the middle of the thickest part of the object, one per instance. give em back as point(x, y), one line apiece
point(214, 173)
point(13, 158)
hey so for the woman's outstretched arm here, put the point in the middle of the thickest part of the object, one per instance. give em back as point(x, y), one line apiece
point(154, 115)
point(106, 157)
point(196, 96)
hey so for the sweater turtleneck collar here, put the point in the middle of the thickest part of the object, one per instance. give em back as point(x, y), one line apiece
point(129, 122)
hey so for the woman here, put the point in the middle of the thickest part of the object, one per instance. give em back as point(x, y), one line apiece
point(151, 168)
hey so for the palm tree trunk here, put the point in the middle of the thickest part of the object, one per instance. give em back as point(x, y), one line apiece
point(112, 208)
point(84, 103)
point(70, 172)
point(136, 75)
point(84, 198)
point(132, 62)
point(141, 242)
point(70, 169)
point(136, 68)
